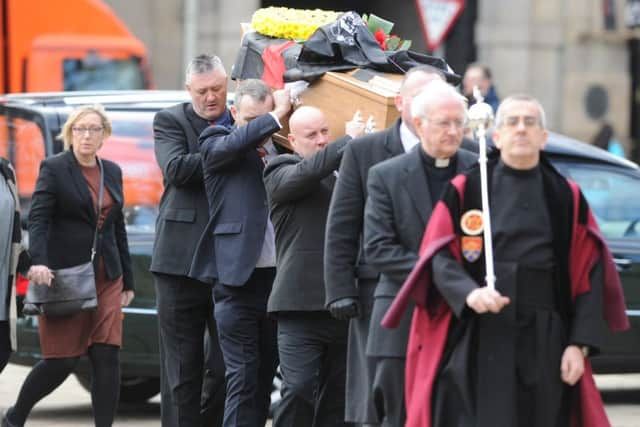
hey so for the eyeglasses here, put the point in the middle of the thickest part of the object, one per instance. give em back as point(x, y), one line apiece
point(82, 131)
point(528, 121)
point(446, 124)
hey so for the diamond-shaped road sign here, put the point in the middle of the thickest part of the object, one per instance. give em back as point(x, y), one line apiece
point(437, 18)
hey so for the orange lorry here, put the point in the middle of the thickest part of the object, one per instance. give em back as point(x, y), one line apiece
point(68, 45)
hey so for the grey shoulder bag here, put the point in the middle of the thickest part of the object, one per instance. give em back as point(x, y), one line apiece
point(72, 289)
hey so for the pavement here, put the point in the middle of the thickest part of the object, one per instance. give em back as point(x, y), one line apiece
point(70, 404)
point(621, 394)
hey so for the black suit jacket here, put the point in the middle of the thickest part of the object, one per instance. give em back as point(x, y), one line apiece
point(232, 241)
point(62, 219)
point(344, 261)
point(183, 207)
point(299, 192)
point(396, 214)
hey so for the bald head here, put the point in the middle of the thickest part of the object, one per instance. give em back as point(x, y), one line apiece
point(308, 130)
point(303, 115)
point(417, 74)
point(414, 81)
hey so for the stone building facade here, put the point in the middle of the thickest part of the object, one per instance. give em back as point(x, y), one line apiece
point(559, 51)
point(556, 50)
point(163, 25)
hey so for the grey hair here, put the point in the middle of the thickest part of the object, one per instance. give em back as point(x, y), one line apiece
point(202, 64)
point(432, 92)
point(520, 97)
point(255, 89)
point(426, 69)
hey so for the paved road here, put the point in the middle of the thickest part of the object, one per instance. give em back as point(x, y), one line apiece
point(70, 405)
point(621, 394)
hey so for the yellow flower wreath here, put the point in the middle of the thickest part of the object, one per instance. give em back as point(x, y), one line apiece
point(289, 23)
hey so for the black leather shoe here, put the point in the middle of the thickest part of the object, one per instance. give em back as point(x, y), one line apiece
point(5, 420)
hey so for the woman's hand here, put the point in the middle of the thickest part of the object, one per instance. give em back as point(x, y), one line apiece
point(126, 297)
point(40, 275)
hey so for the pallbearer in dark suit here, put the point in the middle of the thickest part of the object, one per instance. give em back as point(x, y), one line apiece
point(402, 192)
point(183, 299)
point(312, 345)
point(349, 280)
point(237, 248)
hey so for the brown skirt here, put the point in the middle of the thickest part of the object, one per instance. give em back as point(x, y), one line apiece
point(71, 336)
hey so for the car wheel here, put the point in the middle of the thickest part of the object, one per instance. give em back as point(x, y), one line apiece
point(132, 389)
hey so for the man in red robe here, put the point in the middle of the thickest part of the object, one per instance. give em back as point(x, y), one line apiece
point(515, 355)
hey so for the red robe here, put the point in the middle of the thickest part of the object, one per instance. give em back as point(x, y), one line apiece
point(430, 324)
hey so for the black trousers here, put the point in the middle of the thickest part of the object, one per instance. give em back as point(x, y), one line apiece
point(214, 387)
point(313, 357)
point(248, 342)
point(184, 313)
point(388, 391)
point(5, 343)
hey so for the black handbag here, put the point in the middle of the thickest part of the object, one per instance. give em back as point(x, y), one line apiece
point(72, 289)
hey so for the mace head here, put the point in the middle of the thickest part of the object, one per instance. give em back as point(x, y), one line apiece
point(480, 113)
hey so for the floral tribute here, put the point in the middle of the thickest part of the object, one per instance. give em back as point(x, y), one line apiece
point(299, 24)
point(381, 30)
point(289, 23)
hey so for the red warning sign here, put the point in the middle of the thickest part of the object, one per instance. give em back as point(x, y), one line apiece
point(437, 18)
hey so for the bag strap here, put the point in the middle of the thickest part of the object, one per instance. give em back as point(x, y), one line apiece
point(100, 194)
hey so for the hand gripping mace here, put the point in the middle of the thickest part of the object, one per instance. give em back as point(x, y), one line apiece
point(480, 120)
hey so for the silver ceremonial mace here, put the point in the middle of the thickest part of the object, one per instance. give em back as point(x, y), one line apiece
point(480, 120)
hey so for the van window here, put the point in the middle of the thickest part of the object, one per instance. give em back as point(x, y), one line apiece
point(22, 142)
point(98, 73)
point(131, 147)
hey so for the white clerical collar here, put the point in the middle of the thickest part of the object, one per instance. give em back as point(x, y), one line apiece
point(432, 161)
point(442, 163)
point(408, 138)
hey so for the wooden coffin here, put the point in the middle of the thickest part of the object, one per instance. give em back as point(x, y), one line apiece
point(339, 95)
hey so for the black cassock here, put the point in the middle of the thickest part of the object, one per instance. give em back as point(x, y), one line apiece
point(503, 370)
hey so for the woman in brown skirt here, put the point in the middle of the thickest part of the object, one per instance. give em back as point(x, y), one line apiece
point(62, 223)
